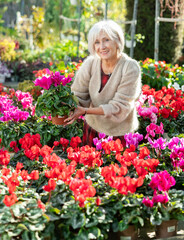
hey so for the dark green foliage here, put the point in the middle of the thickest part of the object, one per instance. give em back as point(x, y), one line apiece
point(22, 70)
point(169, 43)
point(13, 131)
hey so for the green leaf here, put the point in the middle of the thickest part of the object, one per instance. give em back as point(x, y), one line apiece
point(34, 213)
point(141, 221)
point(156, 219)
point(6, 237)
point(19, 209)
point(95, 232)
point(22, 226)
point(2, 228)
point(78, 221)
point(91, 221)
point(122, 225)
point(15, 232)
point(25, 236)
point(36, 227)
point(83, 235)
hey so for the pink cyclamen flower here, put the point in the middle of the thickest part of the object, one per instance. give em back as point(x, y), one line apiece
point(151, 100)
point(133, 139)
point(162, 198)
point(102, 135)
point(44, 82)
point(159, 144)
point(181, 164)
point(162, 181)
point(147, 202)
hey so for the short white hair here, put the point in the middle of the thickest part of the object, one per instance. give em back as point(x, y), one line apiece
point(111, 28)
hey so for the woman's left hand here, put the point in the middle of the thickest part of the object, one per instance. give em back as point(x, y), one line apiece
point(75, 115)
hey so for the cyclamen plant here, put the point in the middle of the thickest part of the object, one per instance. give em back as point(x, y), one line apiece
point(165, 105)
point(10, 112)
point(57, 98)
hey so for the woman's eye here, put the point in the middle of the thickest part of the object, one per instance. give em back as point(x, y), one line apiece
point(96, 42)
point(107, 40)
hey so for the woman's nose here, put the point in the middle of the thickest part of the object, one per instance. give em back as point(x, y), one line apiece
point(102, 45)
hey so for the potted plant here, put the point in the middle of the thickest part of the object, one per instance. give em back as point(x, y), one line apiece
point(137, 38)
point(128, 218)
point(4, 72)
point(57, 99)
point(165, 207)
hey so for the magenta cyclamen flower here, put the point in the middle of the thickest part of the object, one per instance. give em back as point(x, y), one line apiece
point(148, 112)
point(58, 79)
point(102, 135)
point(147, 202)
point(162, 198)
point(159, 144)
point(173, 142)
point(98, 142)
point(181, 164)
point(133, 139)
point(10, 112)
point(153, 129)
point(25, 98)
point(162, 181)
point(44, 82)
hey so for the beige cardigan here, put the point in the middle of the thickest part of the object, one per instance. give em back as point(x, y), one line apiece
point(117, 98)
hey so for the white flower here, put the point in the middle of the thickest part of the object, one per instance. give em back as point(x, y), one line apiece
point(176, 86)
point(182, 88)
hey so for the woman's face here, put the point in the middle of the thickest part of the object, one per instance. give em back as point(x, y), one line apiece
point(105, 47)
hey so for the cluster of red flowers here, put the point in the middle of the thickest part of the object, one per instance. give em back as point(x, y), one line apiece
point(85, 155)
point(115, 175)
point(82, 189)
point(31, 145)
point(4, 157)
point(169, 102)
point(10, 179)
point(62, 171)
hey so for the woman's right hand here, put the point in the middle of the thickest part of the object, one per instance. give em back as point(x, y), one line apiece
point(75, 115)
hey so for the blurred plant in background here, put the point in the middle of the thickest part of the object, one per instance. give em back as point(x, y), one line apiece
point(159, 74)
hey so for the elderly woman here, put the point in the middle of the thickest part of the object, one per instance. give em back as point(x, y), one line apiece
point(107, 85)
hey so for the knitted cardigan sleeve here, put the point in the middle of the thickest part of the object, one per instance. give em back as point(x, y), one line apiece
point(80, 86)
point(129, 89)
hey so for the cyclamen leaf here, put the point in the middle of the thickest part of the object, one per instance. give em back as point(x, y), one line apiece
point(36, 227)
point(78, 221)
point(15, 232)
point(95, 231)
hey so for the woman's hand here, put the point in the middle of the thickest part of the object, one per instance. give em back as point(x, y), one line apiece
point(75, 115)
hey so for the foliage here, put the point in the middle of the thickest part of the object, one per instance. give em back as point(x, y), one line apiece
point(138, 37)
point(22, 70)
point(7, 50)
point(160, 74)
point(57, 98)
point(28, 86)
point(163, 106)
point(59, 50)
point(13, 131)
point(38, 21)
point(170, 38)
